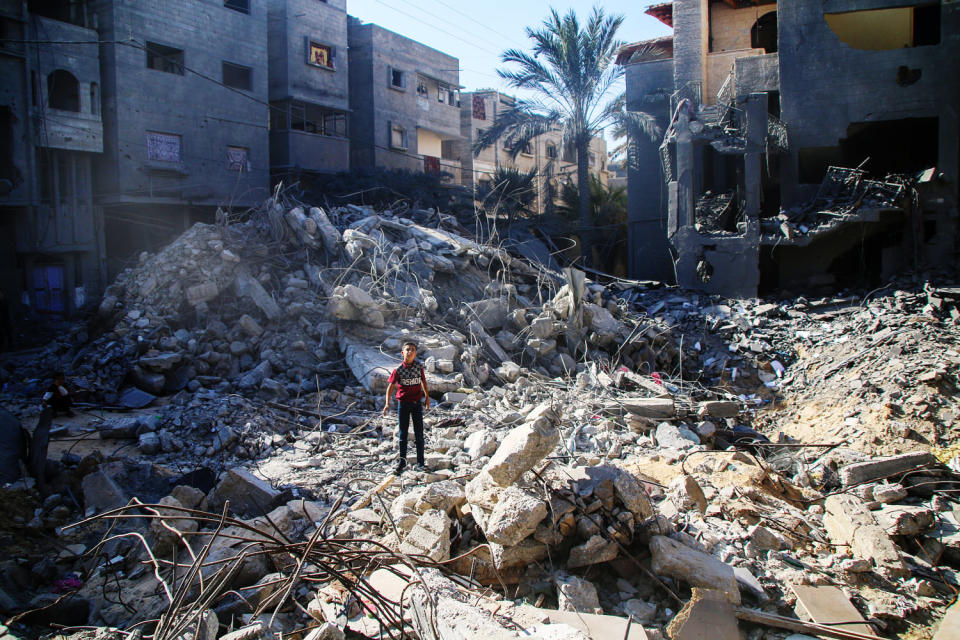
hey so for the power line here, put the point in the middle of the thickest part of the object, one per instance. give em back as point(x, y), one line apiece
point(475, 21)
point(458, 36)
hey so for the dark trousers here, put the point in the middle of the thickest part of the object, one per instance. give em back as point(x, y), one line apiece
point(407, 410)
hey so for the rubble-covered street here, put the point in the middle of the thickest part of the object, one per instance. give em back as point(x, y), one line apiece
point(603, 460)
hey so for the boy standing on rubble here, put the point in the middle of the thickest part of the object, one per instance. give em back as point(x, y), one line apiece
point(410, 382)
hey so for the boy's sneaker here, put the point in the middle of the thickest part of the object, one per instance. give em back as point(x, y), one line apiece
point(420, 467)
point(399, 469)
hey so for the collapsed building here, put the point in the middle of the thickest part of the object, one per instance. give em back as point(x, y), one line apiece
point(777, 115)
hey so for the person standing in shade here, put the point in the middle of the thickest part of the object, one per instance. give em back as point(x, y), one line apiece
point(410, 382)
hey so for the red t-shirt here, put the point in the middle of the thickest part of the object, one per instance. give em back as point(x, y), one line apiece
point(409, 380)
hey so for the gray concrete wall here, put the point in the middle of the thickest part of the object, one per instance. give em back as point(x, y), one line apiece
point(690, 33)
point(826, 84)
point(208, 117)
point(649, 85)
point(291, 24)
point(374, 52)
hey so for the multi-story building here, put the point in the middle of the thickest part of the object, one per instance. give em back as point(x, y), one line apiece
point(185, 115)
point(309, 86)
point(759, 99)
point(553, 163)
point(404, 101)
point(50, 134)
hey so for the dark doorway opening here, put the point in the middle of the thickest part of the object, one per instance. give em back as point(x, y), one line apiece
point(892, 146)
point(763, 33)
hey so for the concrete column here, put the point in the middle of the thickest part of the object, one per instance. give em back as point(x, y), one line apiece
point(755, 108)
point(686, 199)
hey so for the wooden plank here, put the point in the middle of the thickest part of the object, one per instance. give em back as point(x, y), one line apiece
point(826, 604)
point(366, 499)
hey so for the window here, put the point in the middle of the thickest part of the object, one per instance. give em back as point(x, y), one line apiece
point(238, 159)
point(237, 76)
point(398, 137)
point(63, 91)
point(310, 118)
point(551, 151)
point(592, 159)
point(446, 95)
point(886, 29)
point(422, 87)
point(320, 55)
point(396, 78)
point(526, 149)
point(163, 147)
point(243, 6)
point(164, 58)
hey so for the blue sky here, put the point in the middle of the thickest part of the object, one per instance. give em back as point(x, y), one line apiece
point(478, 32)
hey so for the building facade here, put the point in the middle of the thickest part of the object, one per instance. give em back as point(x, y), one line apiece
point(546, 155)
point(309, 86)
point(404, 102)
point(185, 116)
point(51, 132)
point(760, 100)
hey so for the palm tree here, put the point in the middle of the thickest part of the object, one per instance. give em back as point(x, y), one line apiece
point(570, 74)
point(608, 214)
point(510, 192)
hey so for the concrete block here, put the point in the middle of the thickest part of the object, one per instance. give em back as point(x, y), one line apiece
point(848, 521)
point(883, 467)
point(670, 558)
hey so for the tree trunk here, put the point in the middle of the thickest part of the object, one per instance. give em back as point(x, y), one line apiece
point(583, 187)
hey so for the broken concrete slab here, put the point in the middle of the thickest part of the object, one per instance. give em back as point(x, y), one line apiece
point(524, 447)
point(577, 594)
point(905, 520)
point(247, 286)
point(430, 536)
point(708, 615)
point(671, 436)
point(514, 517)
point(596, 550)
point(246, 493)
point(848, 521)
point(671, 558)
point(879, 468)
point(101, 493)
point(828, 605)
point(655, 408)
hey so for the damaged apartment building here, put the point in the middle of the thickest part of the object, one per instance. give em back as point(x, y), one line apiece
point(807, 143)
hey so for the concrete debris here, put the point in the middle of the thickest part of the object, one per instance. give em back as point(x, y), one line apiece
point(748, 445)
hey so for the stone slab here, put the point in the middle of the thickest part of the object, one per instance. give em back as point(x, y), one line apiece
point(826, 604)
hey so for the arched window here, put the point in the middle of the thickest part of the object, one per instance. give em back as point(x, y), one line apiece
point(763, 33)
point(63, 91)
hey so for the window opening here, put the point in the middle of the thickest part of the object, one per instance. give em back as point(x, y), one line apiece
point(320, 55)
point(243, 6)
point(237, 76)
point(164, 58)
point(63, 91)
point(763, 33)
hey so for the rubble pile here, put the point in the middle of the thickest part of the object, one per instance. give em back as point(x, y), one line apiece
point(602, 460)
point(845, 195)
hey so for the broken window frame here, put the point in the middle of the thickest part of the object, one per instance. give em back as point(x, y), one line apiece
point(401, 144)
point(161, 57)
point(306, 117)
